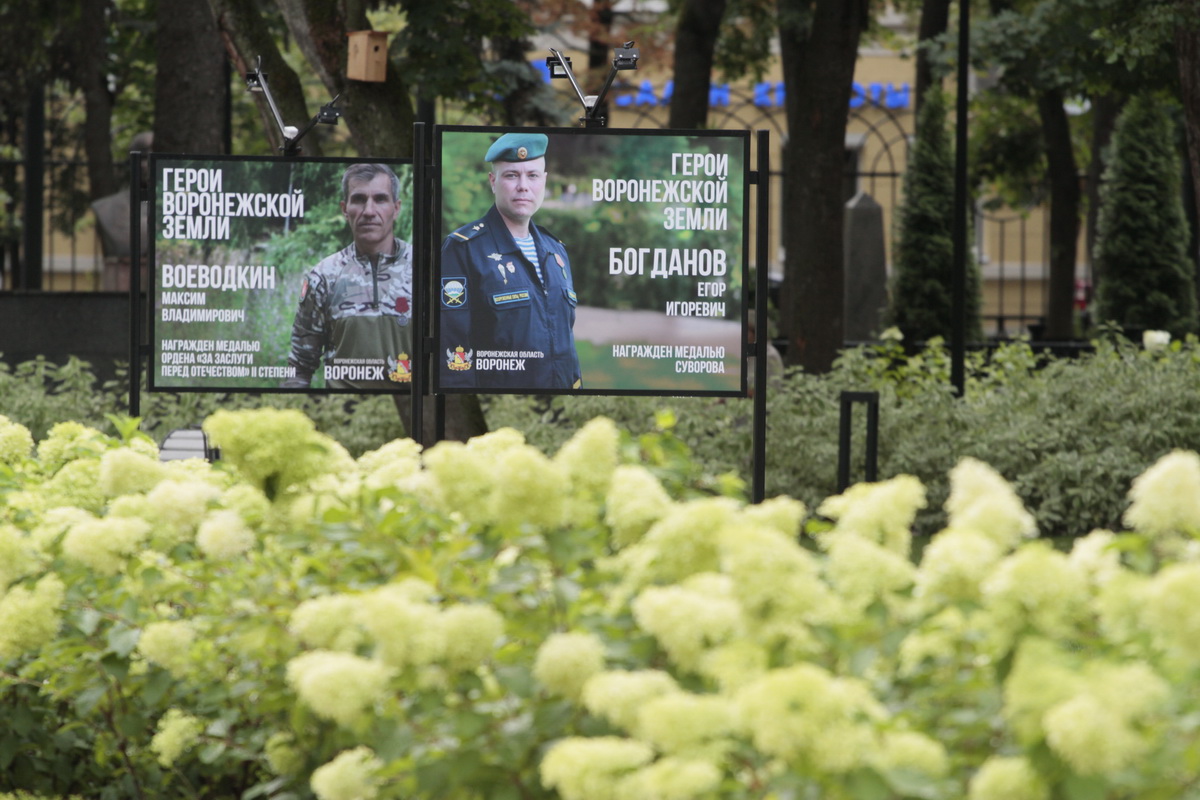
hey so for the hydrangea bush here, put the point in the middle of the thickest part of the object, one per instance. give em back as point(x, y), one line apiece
point(481, 620)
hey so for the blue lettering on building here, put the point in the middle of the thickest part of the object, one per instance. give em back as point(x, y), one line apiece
point(767, 94)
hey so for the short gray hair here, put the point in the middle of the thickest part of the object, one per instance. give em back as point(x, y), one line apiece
point(367, 172)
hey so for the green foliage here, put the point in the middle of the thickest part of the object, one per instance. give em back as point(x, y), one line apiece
point(1143, 273)
point(481, 620)
point(1007, 155)
point(39, 394)
point(1066, 430)
point(1079, 47)
point(744, 44)
point(451, 65)
point(921, 302)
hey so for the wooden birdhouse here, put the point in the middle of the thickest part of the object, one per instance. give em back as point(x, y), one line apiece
point(368, 56)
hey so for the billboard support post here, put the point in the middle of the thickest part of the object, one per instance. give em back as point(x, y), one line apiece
point(135, 283)
point(421, 379)
point(761, 339)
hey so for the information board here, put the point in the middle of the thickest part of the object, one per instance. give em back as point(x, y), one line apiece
point(595, 261)
point(277, 274)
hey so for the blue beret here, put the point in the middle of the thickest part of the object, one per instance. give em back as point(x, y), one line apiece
point(517, 147)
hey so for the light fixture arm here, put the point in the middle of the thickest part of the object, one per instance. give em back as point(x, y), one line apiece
point(560, 67)
point(256, 81)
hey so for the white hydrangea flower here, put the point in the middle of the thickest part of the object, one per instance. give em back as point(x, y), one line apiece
point(223, 535)
point(29, 618)
point(1095, 557)
point(179, 506)
point(954, 565)
point(1038, 584)
point(391, 464)
point(177, 732)
point(472, 633)
point(783, 514)
point(126, 471)
point(981, 500)
point(682, 543)
point(687, 622)
point(912, 750)
point(351, 775)
point(618, 696)
point(1091, 737)
point(168, 643)
point(18, 555)
point(804, 712)
point(338, 686)
point(16, 442)
point(590, 456)
point(863, 571)
point(407, 631)
point(1165, 498)
point(1171, 613)
point(565, 662)
point(1041, 678)
point(671, 778)
point(1007, 778)
point(592, 769)
point(880, 512)
point(1154, 341)
point(325, 623)
point(686, 724)
point(635, 501)
point(773, 576)
point(104, 545)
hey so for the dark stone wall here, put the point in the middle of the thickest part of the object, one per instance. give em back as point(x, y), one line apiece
point(93, 326)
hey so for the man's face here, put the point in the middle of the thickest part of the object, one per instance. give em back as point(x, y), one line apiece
point(519, 187)
point(370, 209)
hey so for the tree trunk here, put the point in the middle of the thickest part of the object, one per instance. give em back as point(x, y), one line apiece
point(191, 84)
point(379, 115)
point(695, 41)
point(1105, 109)
point(91, 77)
point(935, 19)
point(819, 47)
point(1187, 49)
point(1064, 215)
point(247, 40)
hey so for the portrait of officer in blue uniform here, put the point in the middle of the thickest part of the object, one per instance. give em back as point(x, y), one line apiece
point(507, 297)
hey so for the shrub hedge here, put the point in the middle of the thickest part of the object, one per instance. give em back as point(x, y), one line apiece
point(1067, 431)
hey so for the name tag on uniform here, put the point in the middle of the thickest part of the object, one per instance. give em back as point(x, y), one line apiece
point(508, 298)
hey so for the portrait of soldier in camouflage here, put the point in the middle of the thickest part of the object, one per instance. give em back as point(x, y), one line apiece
point(355, 312)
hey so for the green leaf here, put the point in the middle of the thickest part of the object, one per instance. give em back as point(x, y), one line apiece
point(155, 687)
point(866, 784)
point(87, 621)
point(86, 700)
point(210, 753)
point(9, 747)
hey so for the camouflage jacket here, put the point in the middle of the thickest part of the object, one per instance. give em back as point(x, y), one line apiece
point(356, 317)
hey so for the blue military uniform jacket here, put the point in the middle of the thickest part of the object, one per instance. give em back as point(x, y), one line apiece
point(500, 327)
